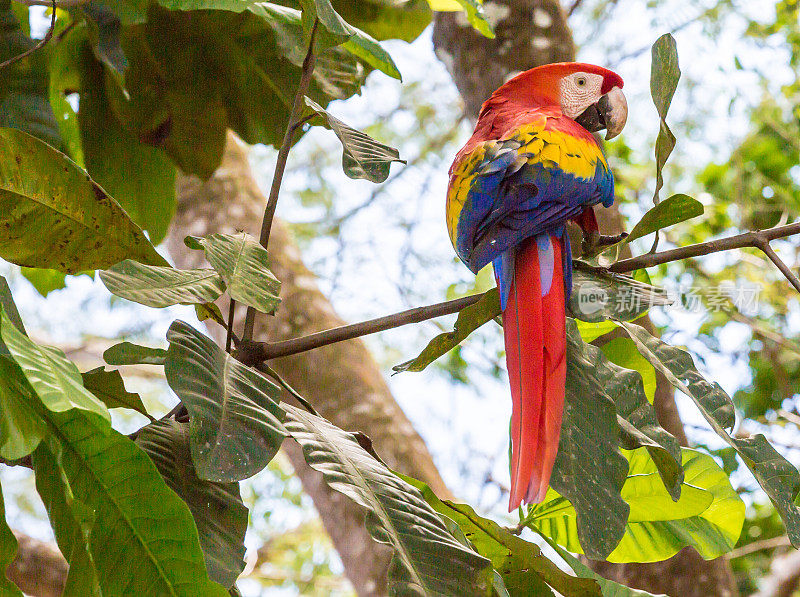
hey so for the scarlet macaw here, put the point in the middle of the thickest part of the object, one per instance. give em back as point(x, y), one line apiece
point(531, 165)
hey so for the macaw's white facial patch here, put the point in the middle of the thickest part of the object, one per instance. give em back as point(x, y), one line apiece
point(579, 91)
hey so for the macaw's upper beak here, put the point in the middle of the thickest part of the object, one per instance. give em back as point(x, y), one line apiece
point(610, 113)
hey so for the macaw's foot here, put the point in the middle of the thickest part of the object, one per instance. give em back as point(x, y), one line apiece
point(594, 243)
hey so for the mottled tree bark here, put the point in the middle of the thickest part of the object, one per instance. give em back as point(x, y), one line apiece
point(39, 569)
point(531, 33)
point(342, 381)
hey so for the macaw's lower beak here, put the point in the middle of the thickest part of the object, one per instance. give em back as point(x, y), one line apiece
point(609, 113)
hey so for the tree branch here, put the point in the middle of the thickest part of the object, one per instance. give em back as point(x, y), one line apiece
point(42, 42)
point(256, 352)
point(280, 165)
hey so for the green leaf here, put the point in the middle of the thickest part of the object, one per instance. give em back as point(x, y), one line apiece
point(20, 427)
point(521, 564)
point(44, 281)
point(590, 435)
point(427, 559)
point(217, 508)
point(387, 19)
point(592, 331)
point(127, 353)
point(370, 51)
point(598, 294)
point(636, 417)
point(8, 549)
point(24, 102)
point(363, 156)
point(244, 265)
point(64, 70)
point(708, 516)
point(159, 287)
point(608, 588)
point(673, 210)
point(664, 76)
point(469, 319)
point(135, 511)
point(236, 424)
point(776, 475)
point(51, 375)
point(474, 11)
point(145, 187)
point(109, 387)
point(72, 521)
point(60, 219)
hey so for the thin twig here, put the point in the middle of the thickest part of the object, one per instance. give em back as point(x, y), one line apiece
point(280, 164)
point(255, 352)
point(261, 351)
point(39, 45)
point(785, 270)
point(748, 239)
point(229, 336)
point(574, 7)
point(746, 550)
point(266, 369)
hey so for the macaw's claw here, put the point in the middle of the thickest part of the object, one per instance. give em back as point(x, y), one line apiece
point(594, 243)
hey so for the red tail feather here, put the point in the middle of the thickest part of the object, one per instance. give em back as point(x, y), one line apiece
point(535, 339)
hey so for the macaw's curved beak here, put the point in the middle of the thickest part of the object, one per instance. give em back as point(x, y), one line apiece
point(609, 113)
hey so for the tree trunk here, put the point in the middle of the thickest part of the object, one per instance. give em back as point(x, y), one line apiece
point(531, 33)
point(342, 381)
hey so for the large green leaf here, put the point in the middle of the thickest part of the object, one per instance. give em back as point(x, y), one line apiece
point(664, 76)
point(142, 539)
point(145, 186)
point(235, 422)
point(72, 522)
point(593, 371)
point(158, 287)
point(8, 549)
point(7, 302)
point(109, 387)
point(24, 102)
point(387, 19)
point(776, 475)
point(427, 560)
point(622, 352)
point(673, 210)
point(52, 376)
point(244, 265)
point(525, 571)
point(589, 436)
point(469, 319)
point(708, 516)
point(127, 353)
point(362, 156)
point(217, 508)
point(60, 218)
point(598, 294)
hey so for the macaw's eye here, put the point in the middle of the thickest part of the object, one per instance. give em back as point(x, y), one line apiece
point(581, 81)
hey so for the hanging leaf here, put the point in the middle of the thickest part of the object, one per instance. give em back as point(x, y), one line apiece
point(708, 516)
point(598, 294)
point(363, 156)
point(525, 571)
point(7, 302)
point(109, 387)
point(469, 319)
point(43, 280)
point(244, 266)
point(217, 508)
point(20, 428)
point(427, 560)
point(664, 76)
point(235, 424)
point(590, 435)
point(671, 211)
point(159, 287)
point(776, 475)
point(126, 353)
point(60, 219)
point(474, 10)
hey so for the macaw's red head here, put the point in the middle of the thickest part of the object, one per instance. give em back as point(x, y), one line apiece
point(589, 94)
